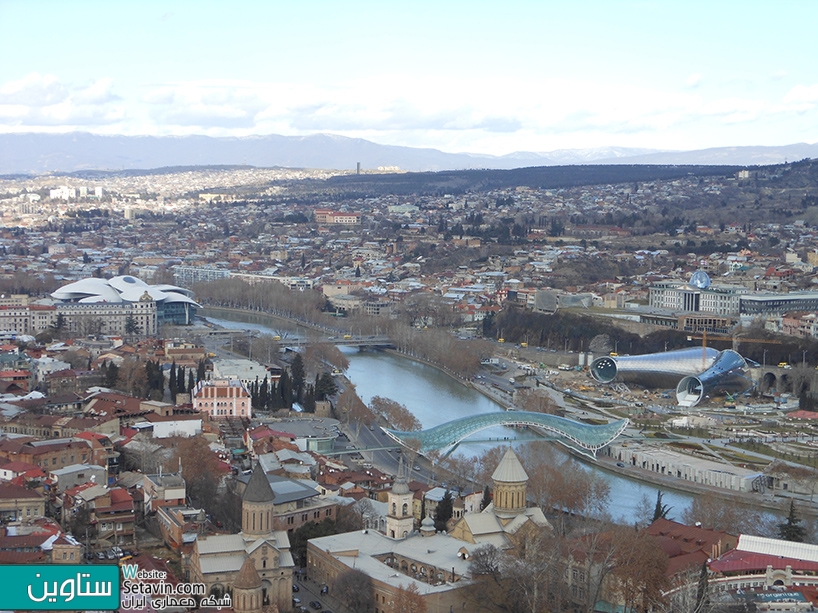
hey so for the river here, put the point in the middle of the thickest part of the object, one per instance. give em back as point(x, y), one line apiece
point(435, 398)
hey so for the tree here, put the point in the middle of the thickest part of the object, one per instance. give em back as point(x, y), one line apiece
point(409, 600)
point(486, 560)
point(660, 511)
point(325, 386)
point(132, 378)
point(444, 512)
point(111, 374)
point(486, 501)
point(640, 570)
point(200, 470)
point(354, 589)
point(298, 376)
point(310, 530)
point(790, 530)
point(717, 514)
point(131, 327)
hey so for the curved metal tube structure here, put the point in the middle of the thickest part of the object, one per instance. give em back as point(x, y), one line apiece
point(579, 436)
point(728, 373)
point(654, 369)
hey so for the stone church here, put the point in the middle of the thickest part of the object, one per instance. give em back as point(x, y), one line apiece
point(256, 565)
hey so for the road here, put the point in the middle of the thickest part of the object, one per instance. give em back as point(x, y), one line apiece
point(387, 460)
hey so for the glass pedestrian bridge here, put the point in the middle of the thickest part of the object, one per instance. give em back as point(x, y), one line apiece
point(585, 438)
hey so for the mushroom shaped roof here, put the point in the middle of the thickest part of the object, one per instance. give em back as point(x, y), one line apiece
point(124, 288)
point(86, 288)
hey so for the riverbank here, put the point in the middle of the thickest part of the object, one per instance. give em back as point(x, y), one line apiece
point(435, 399)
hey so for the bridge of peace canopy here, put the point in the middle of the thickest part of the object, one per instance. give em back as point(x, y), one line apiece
point(584, 438)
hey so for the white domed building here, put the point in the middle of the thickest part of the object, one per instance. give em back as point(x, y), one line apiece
point(123, 305)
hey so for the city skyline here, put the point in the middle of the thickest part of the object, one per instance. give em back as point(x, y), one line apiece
point(459, 77)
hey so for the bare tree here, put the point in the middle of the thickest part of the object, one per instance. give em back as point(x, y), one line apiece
point(640, 570)
point(132, 378)
point(396, 414)
point(354, 589)
point(409, 600)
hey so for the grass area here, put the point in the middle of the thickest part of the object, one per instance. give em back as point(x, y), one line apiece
point(683, 445)
point(697, 432)
point(806, 460)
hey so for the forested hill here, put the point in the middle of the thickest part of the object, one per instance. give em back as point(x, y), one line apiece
point(544, 177)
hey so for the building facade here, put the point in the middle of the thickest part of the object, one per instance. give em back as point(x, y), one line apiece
point(222, 398)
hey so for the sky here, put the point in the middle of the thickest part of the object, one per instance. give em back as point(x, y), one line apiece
point(459, 76)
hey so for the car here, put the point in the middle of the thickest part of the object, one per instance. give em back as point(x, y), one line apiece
point(316, 605)
point(117, 551)
point(620, 464)
point(350, 447)
point(296, 588)
point(89, 555)
point(296, 601)
point(109, 553)
point(416, 467)
point(100, 555)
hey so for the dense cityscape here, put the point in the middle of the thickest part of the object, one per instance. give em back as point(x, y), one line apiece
point(178, 399)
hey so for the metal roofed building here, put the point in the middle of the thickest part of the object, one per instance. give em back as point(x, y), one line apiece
point(173, 305)
point(293, 503)
point(438, 566)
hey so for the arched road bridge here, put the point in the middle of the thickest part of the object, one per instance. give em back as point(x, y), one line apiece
point(584, 438)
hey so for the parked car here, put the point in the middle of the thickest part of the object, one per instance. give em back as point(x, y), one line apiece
point(296, 601)
point(316, 605)
point(100, 555)
point(117, 551)
point(109, 553)
point(296, 588)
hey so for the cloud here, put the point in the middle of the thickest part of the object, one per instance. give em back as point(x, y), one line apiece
point(34, 90)
point(44, 101)
point(455, 113)
point(802, 98)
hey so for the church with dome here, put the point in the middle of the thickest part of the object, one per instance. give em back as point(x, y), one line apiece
point(255, 566)
point(437, 564)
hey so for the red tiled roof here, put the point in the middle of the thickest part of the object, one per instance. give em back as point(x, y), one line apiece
point(744, 562)
point(9, 491)
point(21, 557)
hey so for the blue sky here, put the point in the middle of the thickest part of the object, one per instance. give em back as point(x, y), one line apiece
point(457, 76)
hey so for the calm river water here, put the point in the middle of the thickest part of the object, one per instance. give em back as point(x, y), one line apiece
point(435, 398)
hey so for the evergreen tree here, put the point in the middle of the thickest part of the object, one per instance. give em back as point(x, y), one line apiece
point(661, 510)
point(325, 386)
point(191, 382)
point(444, 512)
point(172, 381)
point(486, 501)
point(790, 530)
point(264, 395)
point(180, 380)
point(309, 399)
point(111, 374)
point(285, 386)
point(254, 399)
point(297, 373)
point(200, 370)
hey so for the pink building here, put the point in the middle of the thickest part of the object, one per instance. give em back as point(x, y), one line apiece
point(222, 398)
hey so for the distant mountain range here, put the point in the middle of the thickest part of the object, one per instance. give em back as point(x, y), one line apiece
point(39, 153)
